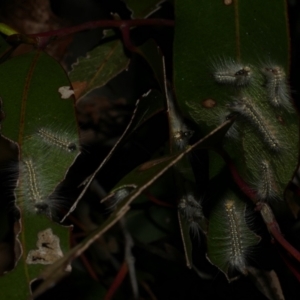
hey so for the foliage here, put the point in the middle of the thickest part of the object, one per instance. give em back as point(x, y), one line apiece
point(200, 186)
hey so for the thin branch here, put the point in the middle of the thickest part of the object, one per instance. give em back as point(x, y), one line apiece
point(129, 258)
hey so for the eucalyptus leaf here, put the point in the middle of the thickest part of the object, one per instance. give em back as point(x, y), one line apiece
point(40, 121)
point(230, 68)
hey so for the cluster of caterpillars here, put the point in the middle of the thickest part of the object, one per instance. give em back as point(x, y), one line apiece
point(277, 95)
point(33, 182)
point(275, 92)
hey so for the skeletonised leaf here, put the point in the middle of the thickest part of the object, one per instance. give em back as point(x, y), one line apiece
point(238, 64)
point(99, 66)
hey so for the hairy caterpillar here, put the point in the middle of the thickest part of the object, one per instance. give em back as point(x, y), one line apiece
point(277, 87)
point(32, 187)
point(117, 196)
point(266, 186)
point(42, 169)
point(59, 140)
point(191, 210)
point(229, 72)
point(245, 108)
point(237, 258)
point(230, 240)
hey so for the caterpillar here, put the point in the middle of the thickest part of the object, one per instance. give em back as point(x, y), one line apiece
point(229, 72)
point(54, 139)
point(237, 257)
point(31, 188)
point(116, 197)
point(277, 87)
point(230, 241)
point(266, 187)
point(191, 210)
point(245, 108)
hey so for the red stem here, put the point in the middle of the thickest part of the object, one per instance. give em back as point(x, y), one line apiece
point(86, 263)
point(125, 30)
point(117, 281)
point(266, 211)
point(157, 201)
point(104, 24)
point(274, 229)
point(245, 188)
point(290, 265)
point(42, 39)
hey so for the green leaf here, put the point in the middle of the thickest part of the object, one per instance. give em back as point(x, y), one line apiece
point(229, 239)
point(44, 125)
point(142, 9)
point(99, 66)
point(212, 38)
point(17, 282)
point(7, 30)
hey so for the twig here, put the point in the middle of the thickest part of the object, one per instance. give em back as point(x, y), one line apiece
point(129, 258)
point(274, 229)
